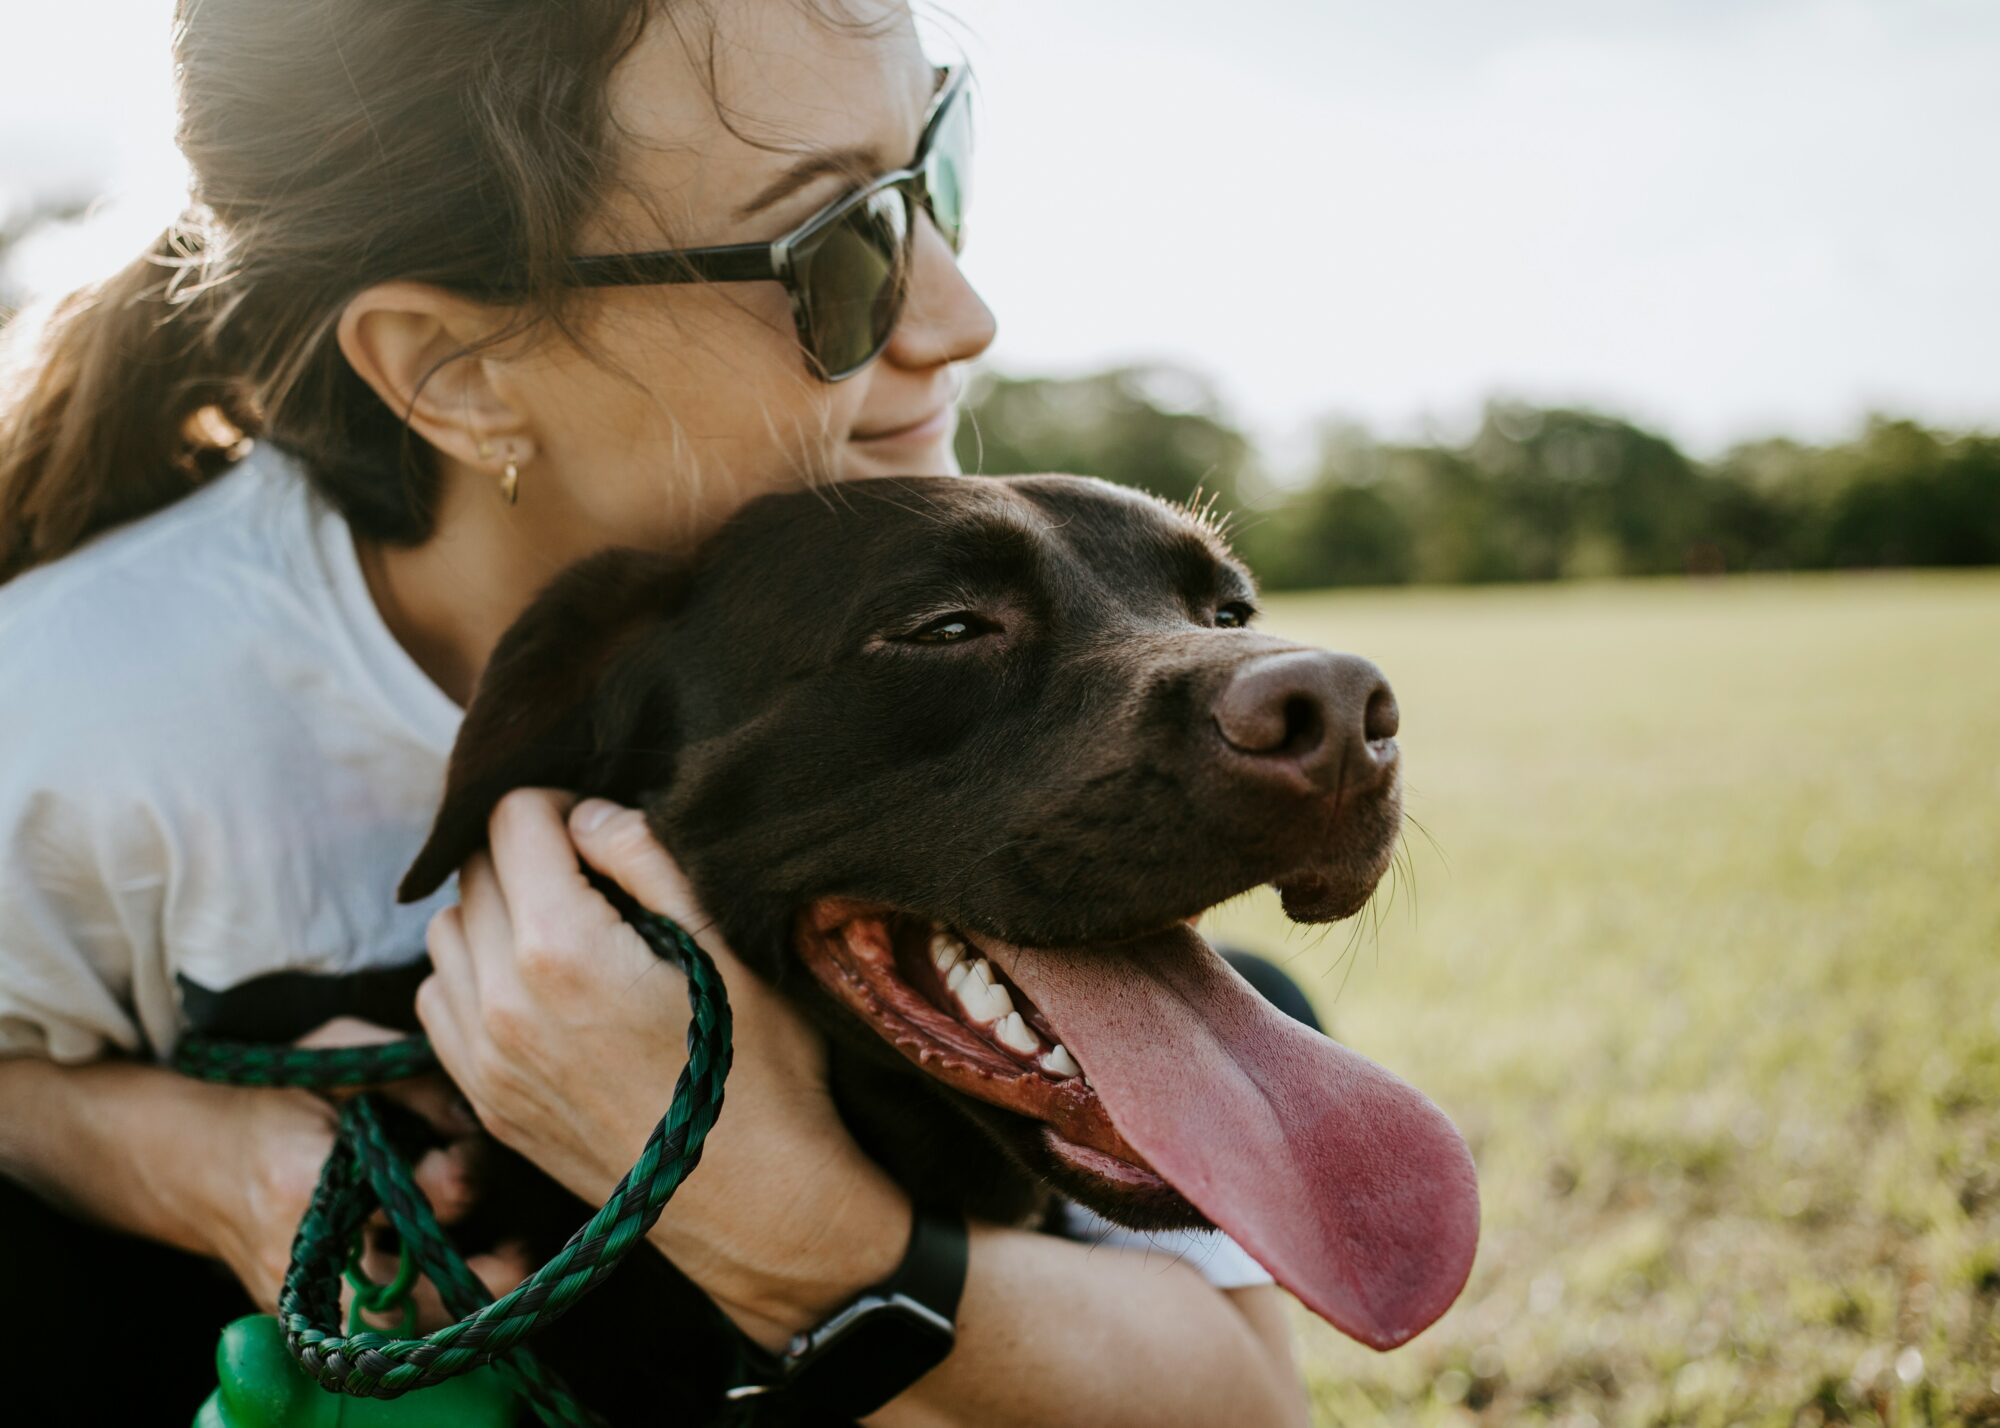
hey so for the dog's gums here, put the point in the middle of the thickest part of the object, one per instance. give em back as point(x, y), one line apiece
point(959, 1018)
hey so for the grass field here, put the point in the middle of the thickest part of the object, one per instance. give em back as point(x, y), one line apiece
point(1703, 955)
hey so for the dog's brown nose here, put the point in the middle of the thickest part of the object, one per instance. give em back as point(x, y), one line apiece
point(1330, 719)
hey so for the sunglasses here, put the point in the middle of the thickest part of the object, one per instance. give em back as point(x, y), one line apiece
point(847, 267)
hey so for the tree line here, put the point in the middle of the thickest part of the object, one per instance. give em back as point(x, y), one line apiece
point(1535, 494)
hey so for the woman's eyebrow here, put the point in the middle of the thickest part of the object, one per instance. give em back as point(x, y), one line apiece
point(854, 161)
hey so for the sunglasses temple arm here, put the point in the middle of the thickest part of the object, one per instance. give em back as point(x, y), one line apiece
point(735, 263)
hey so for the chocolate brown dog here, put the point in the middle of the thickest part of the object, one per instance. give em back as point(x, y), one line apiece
point(954, 762)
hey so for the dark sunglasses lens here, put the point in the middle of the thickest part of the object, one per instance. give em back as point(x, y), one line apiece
point(850, 282)
point(948, 170)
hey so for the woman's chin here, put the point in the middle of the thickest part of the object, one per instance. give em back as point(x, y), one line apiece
point(894, 456)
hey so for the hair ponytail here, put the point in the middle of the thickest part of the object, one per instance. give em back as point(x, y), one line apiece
point(113, 406)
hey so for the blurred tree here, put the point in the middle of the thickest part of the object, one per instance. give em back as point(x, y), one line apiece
point(1577, 493)
point(1535, 495)
point(1342, 529)
point(1907, 496)
point(1158, 428)
point(1899, 494)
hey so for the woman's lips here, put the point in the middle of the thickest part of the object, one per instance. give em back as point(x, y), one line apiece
point(924, 430)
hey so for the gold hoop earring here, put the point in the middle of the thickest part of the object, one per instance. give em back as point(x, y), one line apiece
point(510, 482)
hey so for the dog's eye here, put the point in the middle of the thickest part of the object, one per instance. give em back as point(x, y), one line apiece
point(954, 628)
point(1234, 615)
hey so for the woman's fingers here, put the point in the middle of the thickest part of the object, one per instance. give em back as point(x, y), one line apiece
point(347, 1031)
point(486, 929)
point(501, 1270)
point(548, 901)
point(436, 1101)
point(617, 842)
point(448, 1176)
point(449, 994)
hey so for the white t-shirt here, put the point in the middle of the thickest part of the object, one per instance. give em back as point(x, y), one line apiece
point(216, 762)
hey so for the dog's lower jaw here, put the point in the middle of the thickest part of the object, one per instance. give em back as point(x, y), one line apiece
point(917, 1131)
point(1336, 890)
point(946, 1148)
point(1048, 1122)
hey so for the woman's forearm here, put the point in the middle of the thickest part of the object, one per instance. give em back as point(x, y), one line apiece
point(221, 1171)
point(125, 1144)
point(1050, 1331)
point(1054, 1332)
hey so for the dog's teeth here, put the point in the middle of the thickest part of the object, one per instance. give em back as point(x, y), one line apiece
point(955, 979)
point(983, 1002)
point(946, 951)
point(983, 969)
point(1058, 1062)
point(1013, 1034)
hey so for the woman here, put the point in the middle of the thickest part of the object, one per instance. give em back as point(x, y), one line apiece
point(239, 700)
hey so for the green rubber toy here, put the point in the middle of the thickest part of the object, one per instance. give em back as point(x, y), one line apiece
point(263, 1388)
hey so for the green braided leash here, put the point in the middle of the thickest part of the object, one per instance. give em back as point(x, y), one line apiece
point(365, 1171)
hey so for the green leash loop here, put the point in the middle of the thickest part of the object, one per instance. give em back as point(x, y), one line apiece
point(373, 1298)
point(365, 1171)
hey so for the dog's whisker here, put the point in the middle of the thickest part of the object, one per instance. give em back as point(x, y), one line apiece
point(1349, 959)
point(1436, 847)
point(1406, 866)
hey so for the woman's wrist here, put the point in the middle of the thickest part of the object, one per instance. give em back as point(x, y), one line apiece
point(782, 1277)
point(129, 1145)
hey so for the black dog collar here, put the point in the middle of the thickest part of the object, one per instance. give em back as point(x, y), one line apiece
point(877, 1345)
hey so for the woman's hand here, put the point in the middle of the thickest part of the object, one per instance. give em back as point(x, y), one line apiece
point(566, 1034)
point(259, 1198)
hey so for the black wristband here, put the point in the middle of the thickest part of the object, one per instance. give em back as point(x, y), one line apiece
point(882, 1341)
point(933, 1267)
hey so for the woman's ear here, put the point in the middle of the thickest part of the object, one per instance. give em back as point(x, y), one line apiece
point(565, 702)
point(407, 341)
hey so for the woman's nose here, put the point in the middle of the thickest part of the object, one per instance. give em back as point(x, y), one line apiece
point(943, 319)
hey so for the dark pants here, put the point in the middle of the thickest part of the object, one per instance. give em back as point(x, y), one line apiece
point(102, 1327)
point(107, 1329)
point(1274, 984)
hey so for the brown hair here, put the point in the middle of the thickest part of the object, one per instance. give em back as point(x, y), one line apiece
point(334, 144)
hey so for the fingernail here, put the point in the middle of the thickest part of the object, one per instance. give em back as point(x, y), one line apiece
point(591, 813)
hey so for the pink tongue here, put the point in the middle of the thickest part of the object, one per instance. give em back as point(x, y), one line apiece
point(1347, 1184)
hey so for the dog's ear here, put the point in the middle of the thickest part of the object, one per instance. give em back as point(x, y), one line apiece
point(548, 710)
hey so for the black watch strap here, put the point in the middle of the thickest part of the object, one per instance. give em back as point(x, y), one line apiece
point(879, 1343)
point(933, 1267)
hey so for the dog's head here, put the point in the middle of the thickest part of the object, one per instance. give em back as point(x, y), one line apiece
point(954, 762)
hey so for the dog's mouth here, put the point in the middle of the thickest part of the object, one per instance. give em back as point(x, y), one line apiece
point(1159, 1076)
point(932, 993)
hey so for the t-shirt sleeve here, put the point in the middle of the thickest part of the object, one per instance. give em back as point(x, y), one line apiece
point(70, 925)
point(82, 871)
point(1210, 1253)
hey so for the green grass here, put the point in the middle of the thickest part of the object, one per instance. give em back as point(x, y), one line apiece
point(1702, 952)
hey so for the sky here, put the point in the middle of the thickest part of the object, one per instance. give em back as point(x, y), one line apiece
point(1724, 218)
